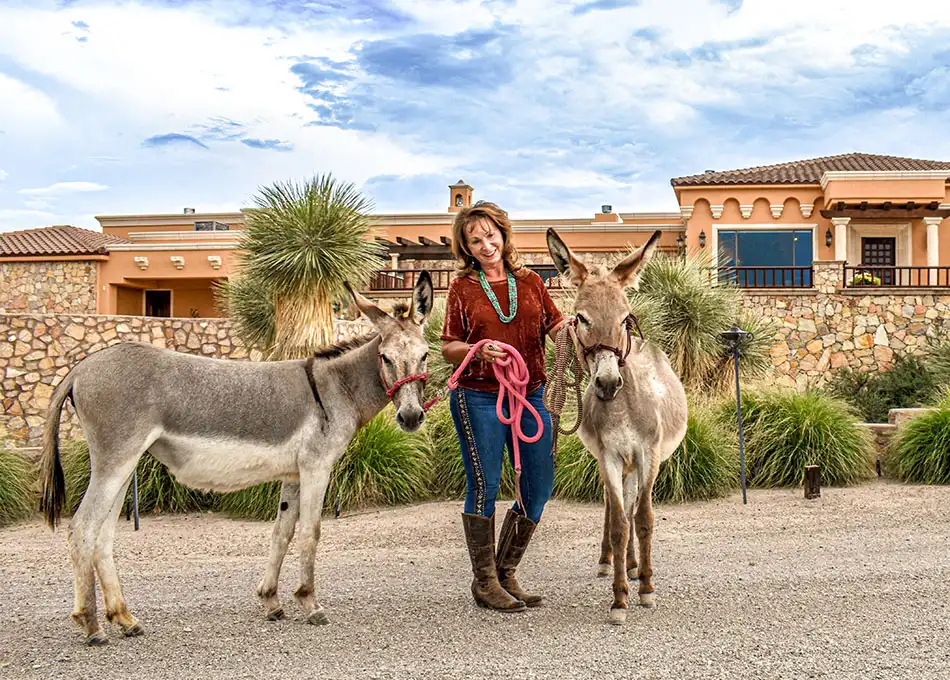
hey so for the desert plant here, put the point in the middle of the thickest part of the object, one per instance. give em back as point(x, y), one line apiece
point(158, 490)
point(920, 452)
point(908, 383)
point(302, 243)
point(576, 476)
point(17, 493)
point(937, 362)
point(684, 312)
point(440, 444)
point(786, 431)
point(706, 464)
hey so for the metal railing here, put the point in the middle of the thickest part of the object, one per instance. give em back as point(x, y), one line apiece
point(873, 276)
point(765, 277)
point(395, 280)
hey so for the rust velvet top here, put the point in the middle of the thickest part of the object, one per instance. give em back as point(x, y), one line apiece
point(470, 317)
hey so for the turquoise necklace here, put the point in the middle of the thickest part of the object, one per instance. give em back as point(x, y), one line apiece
point(512, 296)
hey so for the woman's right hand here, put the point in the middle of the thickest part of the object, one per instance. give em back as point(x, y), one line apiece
point(490, 353)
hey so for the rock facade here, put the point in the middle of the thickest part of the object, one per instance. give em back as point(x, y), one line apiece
point(819, 330)
point(37, 350)
point(62, 287)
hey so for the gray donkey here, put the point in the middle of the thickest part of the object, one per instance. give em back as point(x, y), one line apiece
point(634, 412)
point(225, 425)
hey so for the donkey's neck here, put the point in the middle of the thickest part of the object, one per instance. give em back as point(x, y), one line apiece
point(358, 374)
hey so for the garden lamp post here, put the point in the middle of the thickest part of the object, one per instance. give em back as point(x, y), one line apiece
point(736, 340)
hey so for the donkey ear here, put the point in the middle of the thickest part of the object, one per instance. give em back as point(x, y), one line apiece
point(627, 271)
point(423, 297)
point(375, 314)
point(564, 259)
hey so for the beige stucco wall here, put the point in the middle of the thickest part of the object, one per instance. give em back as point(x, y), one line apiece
point(65, 286)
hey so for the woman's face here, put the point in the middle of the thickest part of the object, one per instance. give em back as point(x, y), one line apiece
point(485, 242)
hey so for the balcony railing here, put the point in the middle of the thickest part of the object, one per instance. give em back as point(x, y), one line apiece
point(765, 277)
point(864, 276)
point(395, 280)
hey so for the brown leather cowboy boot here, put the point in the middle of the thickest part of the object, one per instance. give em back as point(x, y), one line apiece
point(515, 535)
point(480, 536)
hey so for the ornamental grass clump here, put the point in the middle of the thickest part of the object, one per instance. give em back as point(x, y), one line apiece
point(920, 452)
point(17, 495)
point(158, 490)
point(787, 431)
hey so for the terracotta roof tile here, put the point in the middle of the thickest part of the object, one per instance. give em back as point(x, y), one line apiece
point(58, 240)
point(808, 171)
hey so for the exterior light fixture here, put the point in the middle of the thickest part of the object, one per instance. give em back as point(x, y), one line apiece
point(828, 237)
point(735, 341)
point(702, 239)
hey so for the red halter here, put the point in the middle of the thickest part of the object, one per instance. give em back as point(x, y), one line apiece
point(391, 390)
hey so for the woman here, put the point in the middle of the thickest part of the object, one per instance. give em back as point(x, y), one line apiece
point(495, 297)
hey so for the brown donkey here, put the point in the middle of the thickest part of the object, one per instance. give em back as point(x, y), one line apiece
point(634, 412)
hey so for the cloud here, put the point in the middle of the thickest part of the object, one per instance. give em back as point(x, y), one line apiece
point(272, 144)
point(3, 174)
point(595, 5)
point(172, 139)
point(61, 188)
point(81, 25)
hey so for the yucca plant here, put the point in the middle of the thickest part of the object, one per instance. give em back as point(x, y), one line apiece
point(382, 466)
point(706, 463)
point(937, 363)
point(302, 242)
point(920, 452)
point(17, 493)
point(158, 490)
point(684, 312)
point(787, 431)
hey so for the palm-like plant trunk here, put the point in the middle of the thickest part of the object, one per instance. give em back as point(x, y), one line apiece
point(303, 325)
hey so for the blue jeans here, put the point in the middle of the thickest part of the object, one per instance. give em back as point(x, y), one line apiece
point(483, 439)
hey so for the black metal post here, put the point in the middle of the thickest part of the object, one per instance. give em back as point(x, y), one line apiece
point(735, 356)
point(135, 497)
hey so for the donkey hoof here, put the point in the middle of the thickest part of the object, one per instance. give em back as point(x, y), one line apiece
point(318, 619)
point(618, 617)
point(97, 639)
point(134, 630)
point(648, 600)
point(275, 614)
point(633, 573)
point(604, 570)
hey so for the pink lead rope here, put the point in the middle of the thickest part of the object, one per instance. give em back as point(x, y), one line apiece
point(512, 376)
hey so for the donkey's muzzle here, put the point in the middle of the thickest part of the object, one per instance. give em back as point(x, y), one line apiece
point(410, 419)
point(606, 388)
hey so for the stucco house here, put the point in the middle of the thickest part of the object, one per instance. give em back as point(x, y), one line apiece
point(879, 218)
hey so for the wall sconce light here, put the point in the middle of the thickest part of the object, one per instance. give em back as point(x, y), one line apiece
point(702, 239)
point(828, 238)
point(680, 248)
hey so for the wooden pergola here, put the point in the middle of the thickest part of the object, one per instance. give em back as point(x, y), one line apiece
point(421, 249)
point(887, 209)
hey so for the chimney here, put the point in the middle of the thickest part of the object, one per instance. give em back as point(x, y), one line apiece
point(189, 211)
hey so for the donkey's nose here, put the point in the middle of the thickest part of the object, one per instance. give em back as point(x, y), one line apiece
point(410, 419)
point(607, 387)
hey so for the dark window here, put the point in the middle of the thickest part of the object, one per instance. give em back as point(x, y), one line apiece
point(752, 252)
point(158, 303)
point(879, 252)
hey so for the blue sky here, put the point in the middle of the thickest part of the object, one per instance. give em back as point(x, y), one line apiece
point(549, 108)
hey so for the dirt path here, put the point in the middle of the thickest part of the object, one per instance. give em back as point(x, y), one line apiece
point(855, 585)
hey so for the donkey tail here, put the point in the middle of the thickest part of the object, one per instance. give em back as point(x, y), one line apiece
point(53, 494)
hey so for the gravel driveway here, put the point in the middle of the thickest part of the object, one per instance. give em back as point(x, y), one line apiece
point(854, 585)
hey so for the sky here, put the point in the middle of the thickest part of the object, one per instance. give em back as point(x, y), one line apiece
point(549, 108)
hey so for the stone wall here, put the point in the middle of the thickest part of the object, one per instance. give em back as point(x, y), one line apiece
point(37, 350)
point(829, 327)
point(64, 287)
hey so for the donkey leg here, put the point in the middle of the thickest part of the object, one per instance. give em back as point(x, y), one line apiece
point(644, 529)
point(313, 488)
point(630, 504)
point(117, 611)
point(280, 538)
point(612, 474)
point(603, 564)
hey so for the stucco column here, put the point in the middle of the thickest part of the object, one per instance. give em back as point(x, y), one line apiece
point(933, 254)
point(394, 261)
point(841, 237)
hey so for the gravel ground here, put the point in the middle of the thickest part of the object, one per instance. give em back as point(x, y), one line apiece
point(854, 585)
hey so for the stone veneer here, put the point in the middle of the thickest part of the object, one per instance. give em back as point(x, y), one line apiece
point(827, 327)
point(37, 350)
point(58, 287)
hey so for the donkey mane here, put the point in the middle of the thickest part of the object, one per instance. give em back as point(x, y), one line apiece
point(341, 348)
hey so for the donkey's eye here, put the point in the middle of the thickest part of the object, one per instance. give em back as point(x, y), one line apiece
point(581, 319)
point(386, 360)
point(425, 357)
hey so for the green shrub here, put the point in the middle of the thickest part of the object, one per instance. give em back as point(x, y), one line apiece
point(937, 362)
point(382, 466)
point(17, 491)
point(440, 444)
point(576, 476)
point(784, 432)
point(158, 490)
point(920, 452)
point(909, 383)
